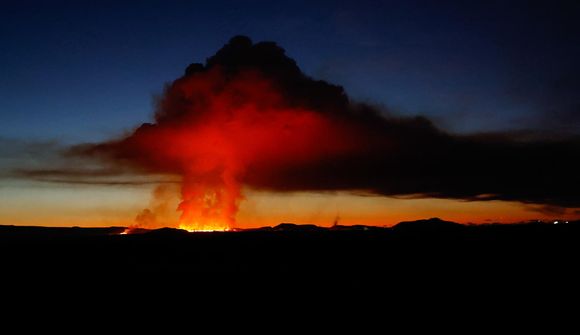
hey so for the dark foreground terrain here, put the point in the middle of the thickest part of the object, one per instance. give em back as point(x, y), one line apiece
point(430, 265)
point(425, 249)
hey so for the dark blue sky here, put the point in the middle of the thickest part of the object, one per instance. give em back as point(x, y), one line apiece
point(77, 72)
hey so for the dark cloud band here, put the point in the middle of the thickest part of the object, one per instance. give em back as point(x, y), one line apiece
point(373, 153)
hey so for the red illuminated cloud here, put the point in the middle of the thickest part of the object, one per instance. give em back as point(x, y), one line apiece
point(249, 116)
point(214, 129)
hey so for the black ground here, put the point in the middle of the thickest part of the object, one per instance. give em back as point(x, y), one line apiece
point(422, 248)
point(430, 265)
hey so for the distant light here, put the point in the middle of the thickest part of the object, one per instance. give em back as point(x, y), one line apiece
point(556, 222)
point(566, 221)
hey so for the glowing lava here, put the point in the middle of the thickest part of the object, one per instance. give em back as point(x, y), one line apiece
point(225, 133)
point(196, 227)
point(224, 126)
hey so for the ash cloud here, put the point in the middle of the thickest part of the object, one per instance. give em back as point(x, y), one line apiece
point(105, 176)
point(51, 162)
point(323, 141)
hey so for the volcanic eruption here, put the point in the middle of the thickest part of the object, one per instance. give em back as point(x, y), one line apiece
point(250, 117)
point(232, 120)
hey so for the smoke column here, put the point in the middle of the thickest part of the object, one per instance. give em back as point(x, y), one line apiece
point(249, 116)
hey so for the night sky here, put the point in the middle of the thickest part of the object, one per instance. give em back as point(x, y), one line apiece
point(74, 72)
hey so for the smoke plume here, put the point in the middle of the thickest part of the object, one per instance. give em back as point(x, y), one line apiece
point(249, 116)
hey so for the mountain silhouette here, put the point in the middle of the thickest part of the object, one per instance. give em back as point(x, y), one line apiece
point(428, 225)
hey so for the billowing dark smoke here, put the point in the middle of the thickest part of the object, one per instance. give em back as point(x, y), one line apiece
point(249, 116)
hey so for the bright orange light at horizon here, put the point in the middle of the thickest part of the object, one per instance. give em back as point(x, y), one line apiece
point(206, 227)
point(99, 206)
point(229, 134)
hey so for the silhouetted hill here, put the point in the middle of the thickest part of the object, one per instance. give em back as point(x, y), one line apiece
point(132, 230)
point(432, 225)
point(418, 249)
point(30, 232)
point(167, 232)
point(356, 227)
point(296, 227)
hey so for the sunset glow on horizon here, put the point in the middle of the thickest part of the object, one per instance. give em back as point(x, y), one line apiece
point(114, 206)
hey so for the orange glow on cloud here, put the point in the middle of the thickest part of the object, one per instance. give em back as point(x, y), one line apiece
point(239, 127)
